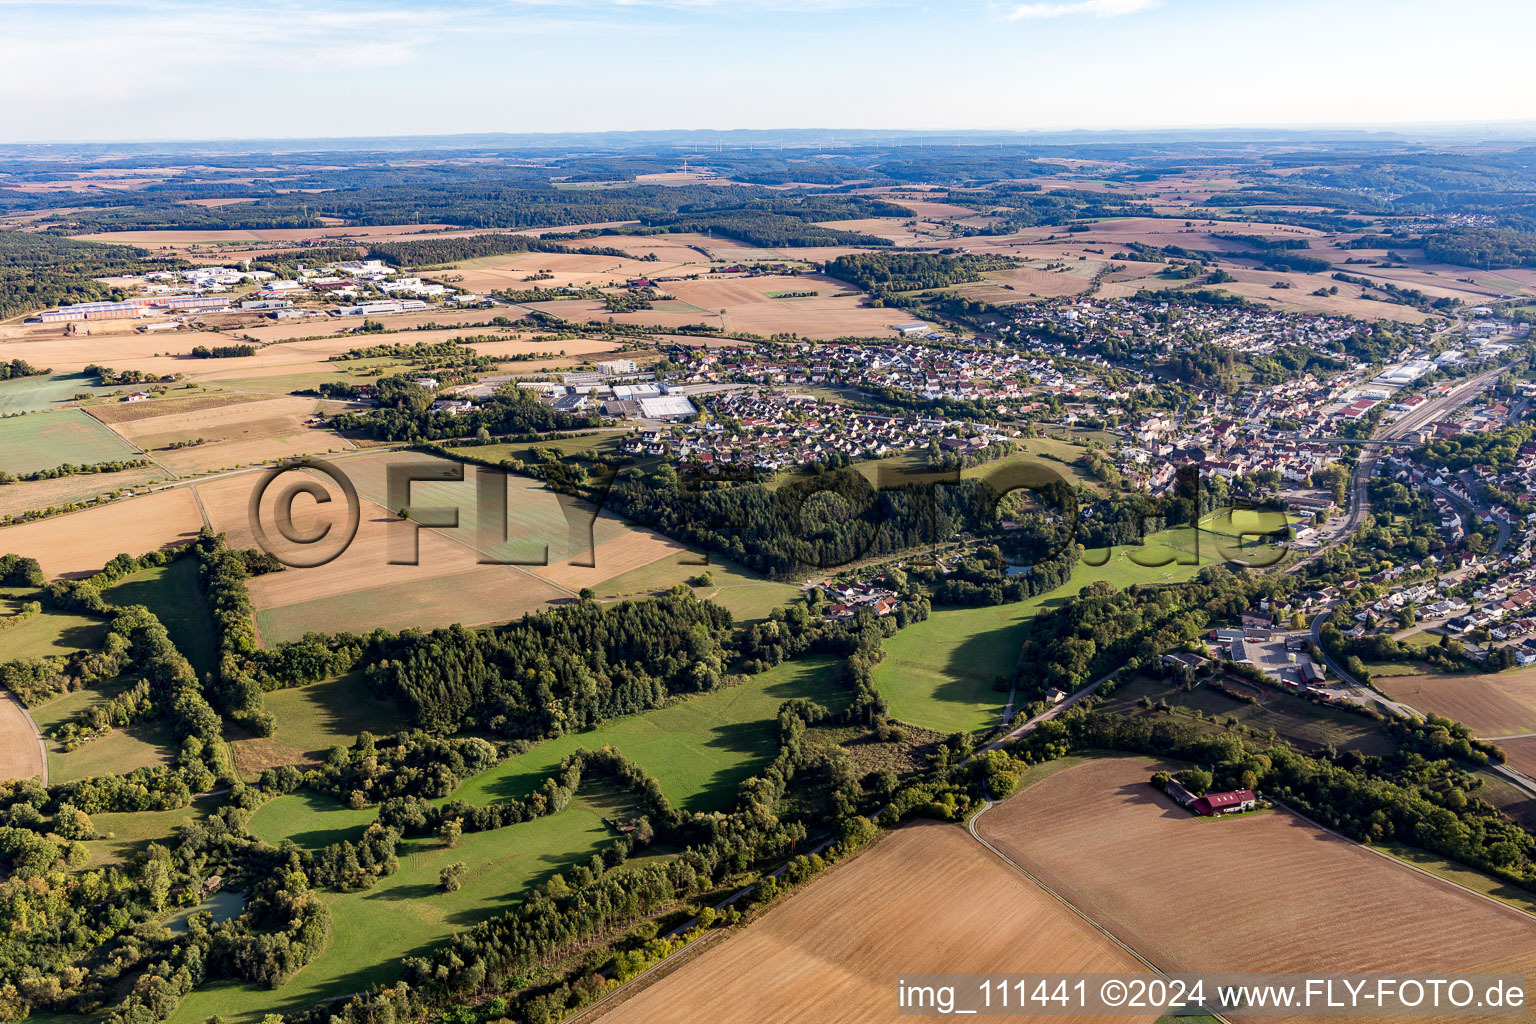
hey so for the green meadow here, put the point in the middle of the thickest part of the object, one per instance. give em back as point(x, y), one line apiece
point(174, 592)
point(939, 673)
point(45, 440)
point(406, 914)
point(700, 750)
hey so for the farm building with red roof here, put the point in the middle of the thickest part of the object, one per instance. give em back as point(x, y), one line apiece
point(1236, 801)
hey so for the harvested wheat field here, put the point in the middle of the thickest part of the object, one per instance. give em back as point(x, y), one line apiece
point(21, 750)
point(617, 547)
point(565, 348)
point(235, 429)
point(360, 588)
point(224, 236)
point(668, 249)
point(471, 321)
point(1503, 704)
point(931, 210)
point(927, 898)
point(1032, 281)
point(565, 543)
point(35, 495)
point(80, 543)
point(1520, 753)
point(162, 355)
point(1259, 892)
point(511, 272)
point(894, 228)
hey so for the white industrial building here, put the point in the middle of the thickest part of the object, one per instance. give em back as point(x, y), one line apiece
point(667, 407)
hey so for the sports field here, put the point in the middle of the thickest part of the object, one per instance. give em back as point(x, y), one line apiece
point(1086, 832)
point(928, 898)
point(47, 439)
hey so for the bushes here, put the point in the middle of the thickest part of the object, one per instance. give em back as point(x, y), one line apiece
point(224, 573)
point(16, 571)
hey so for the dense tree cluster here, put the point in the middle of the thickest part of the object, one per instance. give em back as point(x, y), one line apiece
point(20, 368)
point(222, 351)
point(1106, 628)
point(883, 274)
point(73, 469)
point(558, 670)
point(406, 415)
point(1483, 248)
point(42, 270)
point(829, 520)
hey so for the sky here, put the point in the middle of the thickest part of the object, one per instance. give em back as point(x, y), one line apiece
point(108, 70)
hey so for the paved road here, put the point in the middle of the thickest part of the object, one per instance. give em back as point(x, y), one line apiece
point(1371, 454)
point(1044, 716)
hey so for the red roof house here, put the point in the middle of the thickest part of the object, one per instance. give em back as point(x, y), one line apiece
point(1236, 801)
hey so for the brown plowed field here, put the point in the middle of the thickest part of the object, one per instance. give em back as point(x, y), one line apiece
point(1490, 705)
point(1260, 892)
point(21, 755)
point(926, 899)
point(80, 543)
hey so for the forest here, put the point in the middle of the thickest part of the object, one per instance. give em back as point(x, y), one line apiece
point(883, 275)
point(38, 271)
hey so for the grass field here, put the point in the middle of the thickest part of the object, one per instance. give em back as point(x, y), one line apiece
point(1087, 832)
point(125, 834)
point(119, 751)
point(700, 749)
point(939, 673)
point(44, 440)
point(38, 394)
point(174, 593)
point(47, 633)
point(312, 719)
point(311, 820)
point(927, 898)
point(405, 914)
point(747, 595)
